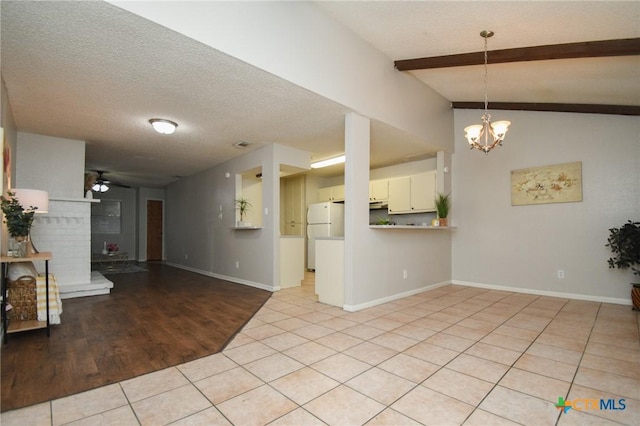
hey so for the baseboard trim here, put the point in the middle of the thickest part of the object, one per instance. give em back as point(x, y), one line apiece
point(225, 277)
point(575, 296)
point(376, 302)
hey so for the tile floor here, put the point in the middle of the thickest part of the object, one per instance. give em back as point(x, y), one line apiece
point(450, 356)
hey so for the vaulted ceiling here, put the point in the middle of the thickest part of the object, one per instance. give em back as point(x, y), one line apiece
point(91, 71)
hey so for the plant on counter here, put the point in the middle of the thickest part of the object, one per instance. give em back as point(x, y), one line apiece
point(18, 219)
point(625, 245)
point(443, 205)
point(384, 221)
point(243, 205)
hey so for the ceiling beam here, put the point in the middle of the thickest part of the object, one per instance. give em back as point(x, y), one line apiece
point(587, 49)
point(579, 108)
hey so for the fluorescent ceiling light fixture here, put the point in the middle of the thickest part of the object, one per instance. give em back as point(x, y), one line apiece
point(328, 162)
point(160, 125)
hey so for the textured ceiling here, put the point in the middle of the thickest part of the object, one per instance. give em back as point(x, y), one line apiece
point(406, 30)
point(91, 71)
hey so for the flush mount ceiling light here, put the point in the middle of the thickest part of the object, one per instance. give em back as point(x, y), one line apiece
point(328, 162)
point(242, 144)
point(497, 130)
point(160, 125)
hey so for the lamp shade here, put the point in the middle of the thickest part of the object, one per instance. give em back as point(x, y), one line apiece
point(472, 133)
point(33, 198)
point(500, 128)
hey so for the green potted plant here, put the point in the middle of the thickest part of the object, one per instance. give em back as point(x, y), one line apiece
point(243, 205)
point(624, 243)
point(443, 205)
point(17, 218)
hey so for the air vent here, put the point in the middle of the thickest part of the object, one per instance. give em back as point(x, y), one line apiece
point(242, 144)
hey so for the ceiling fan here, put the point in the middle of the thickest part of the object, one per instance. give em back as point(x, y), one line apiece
point(101, 183)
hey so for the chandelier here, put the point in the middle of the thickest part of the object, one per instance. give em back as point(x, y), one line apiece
point(478, 134)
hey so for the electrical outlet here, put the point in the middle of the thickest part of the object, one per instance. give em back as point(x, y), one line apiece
point(561, 274)
point(237, 264)
point(405, 274)
point(186, 256)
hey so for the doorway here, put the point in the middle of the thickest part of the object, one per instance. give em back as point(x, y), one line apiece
point(154, 229)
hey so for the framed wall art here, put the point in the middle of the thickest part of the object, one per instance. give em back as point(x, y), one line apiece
point(558, 183)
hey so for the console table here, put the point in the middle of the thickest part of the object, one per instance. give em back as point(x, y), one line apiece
point(18, 326)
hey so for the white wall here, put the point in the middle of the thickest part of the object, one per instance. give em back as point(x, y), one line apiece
point(376, 258)
point(56, 165)
point(297, 42)
point(51, 164)
point(524, 246)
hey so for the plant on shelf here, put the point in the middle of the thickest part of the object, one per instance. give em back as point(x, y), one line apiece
point(17, 218)
point(243, 205)
point(443, 205)
point(384, 221)
point(624, 243)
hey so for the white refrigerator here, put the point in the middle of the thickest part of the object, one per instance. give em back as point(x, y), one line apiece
point(323, 220)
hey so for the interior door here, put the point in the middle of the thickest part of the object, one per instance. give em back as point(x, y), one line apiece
point(294, 206)
point(154, 230)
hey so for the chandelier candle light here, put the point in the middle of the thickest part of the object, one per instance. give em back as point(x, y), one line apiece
point(478, 134)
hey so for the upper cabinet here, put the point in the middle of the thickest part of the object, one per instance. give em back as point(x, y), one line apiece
point(331, 193)
point(413, 194)
point(378, 190)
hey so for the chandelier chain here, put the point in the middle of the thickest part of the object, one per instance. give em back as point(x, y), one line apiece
point(486, 78)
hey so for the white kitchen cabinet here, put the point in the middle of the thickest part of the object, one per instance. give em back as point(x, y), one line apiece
point(379, 190)
point(413, 194)
point(331, 193)
point(400, 195)
point(423, 192)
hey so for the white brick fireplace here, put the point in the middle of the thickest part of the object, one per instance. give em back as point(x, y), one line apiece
point(65, 231)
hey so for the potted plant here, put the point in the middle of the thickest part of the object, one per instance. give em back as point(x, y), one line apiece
point(443, 205)
point(243, 205)
point(18, 219)
point(625, 245)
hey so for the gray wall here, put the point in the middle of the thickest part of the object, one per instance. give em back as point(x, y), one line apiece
point(524, 246)
point(201, 216)
point(126, 240)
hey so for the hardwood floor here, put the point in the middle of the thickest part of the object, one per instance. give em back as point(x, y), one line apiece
point(150, 321)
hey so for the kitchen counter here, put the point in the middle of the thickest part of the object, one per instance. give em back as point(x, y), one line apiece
point(420, 227)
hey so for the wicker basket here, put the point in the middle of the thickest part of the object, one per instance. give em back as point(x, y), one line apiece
point(21, 294)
